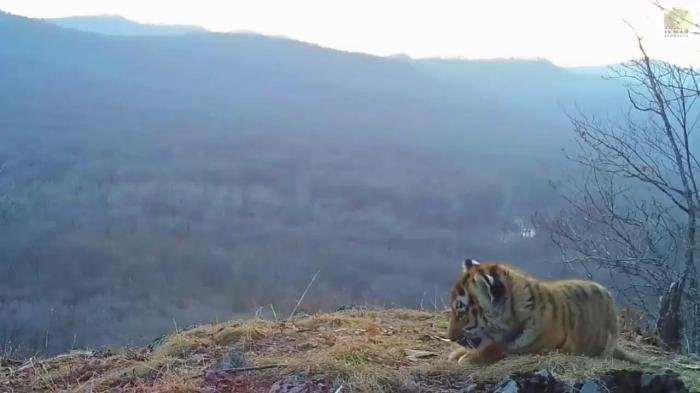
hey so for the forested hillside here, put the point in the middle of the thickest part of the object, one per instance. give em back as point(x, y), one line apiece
point(153, 181)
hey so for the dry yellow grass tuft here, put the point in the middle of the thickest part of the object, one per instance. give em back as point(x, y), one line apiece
point(239, 334)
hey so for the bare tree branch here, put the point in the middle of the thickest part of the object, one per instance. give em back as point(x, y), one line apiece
point(633, 216)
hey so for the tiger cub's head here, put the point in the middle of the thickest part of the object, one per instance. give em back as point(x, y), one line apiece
point(479, 300)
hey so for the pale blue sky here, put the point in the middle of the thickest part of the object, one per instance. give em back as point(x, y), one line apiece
point(567, 32)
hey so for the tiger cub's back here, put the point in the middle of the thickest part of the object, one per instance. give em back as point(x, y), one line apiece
point(577, 316)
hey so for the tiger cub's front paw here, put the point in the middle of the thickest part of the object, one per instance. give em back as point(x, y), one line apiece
point(463, 355)
point(457, 354)
point(490, 354)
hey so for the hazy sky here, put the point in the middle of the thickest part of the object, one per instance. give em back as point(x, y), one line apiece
point(568, 32)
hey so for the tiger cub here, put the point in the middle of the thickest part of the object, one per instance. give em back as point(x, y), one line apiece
point(498, 310)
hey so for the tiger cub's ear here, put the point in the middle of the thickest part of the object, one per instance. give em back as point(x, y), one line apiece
point(491, 288)
point(468, 264)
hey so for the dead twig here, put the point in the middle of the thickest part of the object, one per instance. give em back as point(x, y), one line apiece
point(439, 338)
point(294, 310)
point(253, 368)
point(274, 313)
point(28, 364)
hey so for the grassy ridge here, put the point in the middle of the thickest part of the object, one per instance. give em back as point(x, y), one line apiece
point(389, 350)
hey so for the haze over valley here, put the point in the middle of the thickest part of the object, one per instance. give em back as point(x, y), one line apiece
point(152, 176)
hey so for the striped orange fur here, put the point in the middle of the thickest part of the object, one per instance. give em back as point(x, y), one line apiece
point(498, 310)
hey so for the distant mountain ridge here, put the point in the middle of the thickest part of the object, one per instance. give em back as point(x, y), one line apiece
point(112, 24)
point(119, 25)
point(279, 83)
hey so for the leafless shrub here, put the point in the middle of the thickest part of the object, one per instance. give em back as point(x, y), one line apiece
point(632, 209)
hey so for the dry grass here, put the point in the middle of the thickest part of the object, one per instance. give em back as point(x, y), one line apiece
point(363, 351)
